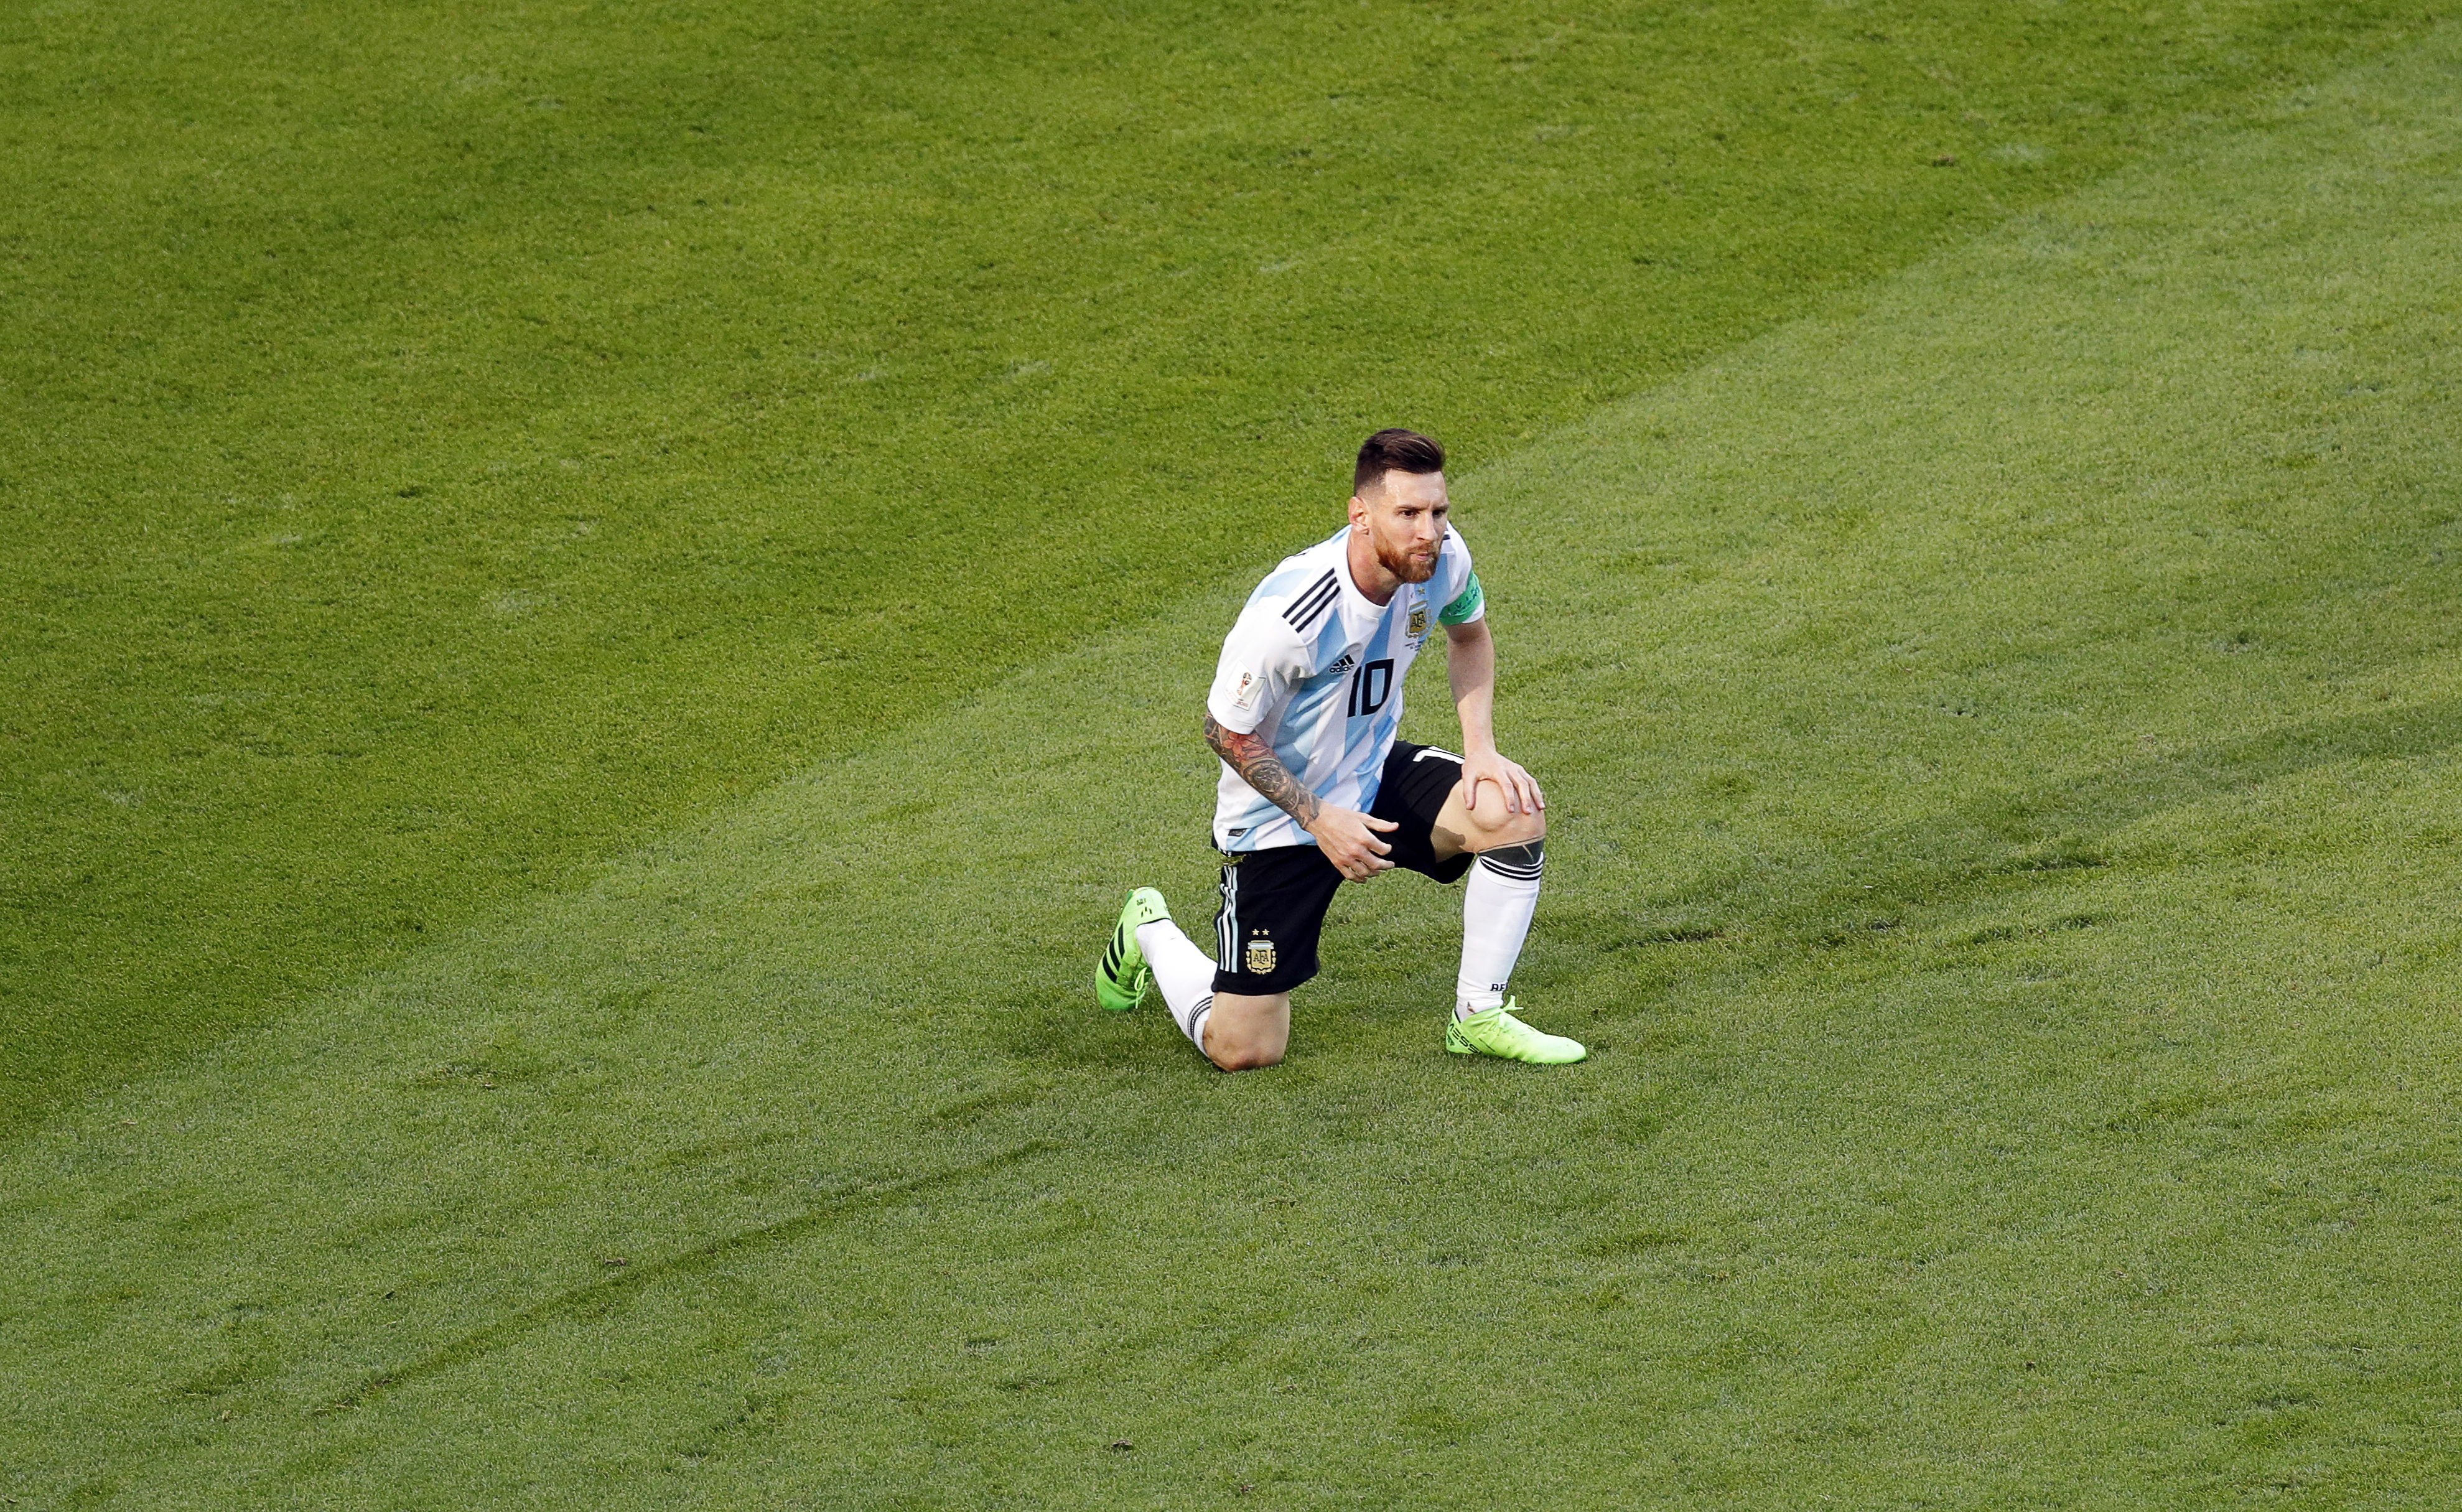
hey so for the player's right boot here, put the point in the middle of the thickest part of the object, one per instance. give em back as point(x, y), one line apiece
point(1122, 976)
point(1496, 1031)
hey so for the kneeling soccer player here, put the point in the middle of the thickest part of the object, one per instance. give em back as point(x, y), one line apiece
point(1304, 712)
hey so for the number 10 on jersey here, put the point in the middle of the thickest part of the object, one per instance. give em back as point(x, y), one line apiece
point(1371, 687)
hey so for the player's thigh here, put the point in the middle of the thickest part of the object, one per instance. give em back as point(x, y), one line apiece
point(1248, 1032)
point(1266, 931)
point(1459, 827)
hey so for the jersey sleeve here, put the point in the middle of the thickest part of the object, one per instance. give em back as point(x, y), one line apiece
point(1261, 658)
point(1466, 602)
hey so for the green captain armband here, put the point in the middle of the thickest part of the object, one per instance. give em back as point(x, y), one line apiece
point(1465, 607)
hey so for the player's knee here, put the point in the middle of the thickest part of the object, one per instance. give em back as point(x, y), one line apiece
point(1495, 828)
point(1245, 1058)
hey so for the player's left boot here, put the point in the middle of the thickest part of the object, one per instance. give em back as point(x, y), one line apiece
point(1496, 1031)
point(1122, 976)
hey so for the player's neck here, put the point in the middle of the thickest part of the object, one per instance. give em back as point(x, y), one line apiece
point(1368, 574)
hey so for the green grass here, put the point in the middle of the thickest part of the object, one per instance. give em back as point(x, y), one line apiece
point(450, 442)
point(2002, 730)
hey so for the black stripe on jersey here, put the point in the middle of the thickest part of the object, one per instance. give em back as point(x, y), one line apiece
point(1311, 602)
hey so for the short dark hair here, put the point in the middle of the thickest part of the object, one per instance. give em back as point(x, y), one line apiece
point(1394, 451)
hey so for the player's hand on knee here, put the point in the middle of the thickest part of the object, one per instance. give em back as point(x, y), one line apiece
point(1349, 840)
point(1517, 790)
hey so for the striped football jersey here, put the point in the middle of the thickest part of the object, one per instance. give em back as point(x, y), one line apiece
point(1317, 670)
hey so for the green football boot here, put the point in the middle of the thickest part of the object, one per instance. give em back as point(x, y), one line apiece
point(1122, 976)
point(1496, 1031)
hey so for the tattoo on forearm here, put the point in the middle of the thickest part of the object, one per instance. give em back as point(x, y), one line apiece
point(1255, 762)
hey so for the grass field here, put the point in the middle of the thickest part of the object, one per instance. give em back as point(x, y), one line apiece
point(2001, 720)
point(449, 443)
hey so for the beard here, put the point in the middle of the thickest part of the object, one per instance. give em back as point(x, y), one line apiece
point(1399, 562)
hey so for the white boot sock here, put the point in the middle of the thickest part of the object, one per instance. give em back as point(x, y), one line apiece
point(1184, 973)
point(1498, 900)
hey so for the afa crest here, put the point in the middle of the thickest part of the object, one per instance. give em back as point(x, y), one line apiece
point(1260, 962)
point(1418, 619)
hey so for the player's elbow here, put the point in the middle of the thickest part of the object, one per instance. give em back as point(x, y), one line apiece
point(1231, 745)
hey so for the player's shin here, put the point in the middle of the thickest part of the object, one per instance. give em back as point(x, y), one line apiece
point(1498, 900)
point(1184, 973)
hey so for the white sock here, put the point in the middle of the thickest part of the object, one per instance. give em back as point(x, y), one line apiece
point(1498, 901)
point(1184, 973)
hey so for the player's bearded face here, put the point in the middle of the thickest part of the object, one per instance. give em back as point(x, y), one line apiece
point(1407, 526)
point(1409, 561)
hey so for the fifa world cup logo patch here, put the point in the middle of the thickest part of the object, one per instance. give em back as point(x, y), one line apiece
point(1244, 696)
point(1261, 957)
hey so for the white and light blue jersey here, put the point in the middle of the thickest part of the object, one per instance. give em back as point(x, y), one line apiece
point(1317, 669)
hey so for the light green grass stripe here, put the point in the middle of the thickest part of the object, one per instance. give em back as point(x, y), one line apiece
point(2001, 745)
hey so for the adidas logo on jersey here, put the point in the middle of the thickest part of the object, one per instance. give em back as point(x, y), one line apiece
point(1348, 661)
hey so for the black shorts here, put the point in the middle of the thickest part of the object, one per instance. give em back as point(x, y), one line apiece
point(1274, 900)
